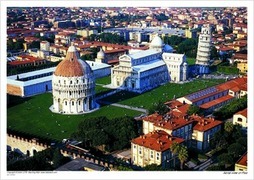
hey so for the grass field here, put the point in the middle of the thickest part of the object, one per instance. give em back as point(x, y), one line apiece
point(104, 80)
point(191, 61)
point(34, 117)
point(163, 93)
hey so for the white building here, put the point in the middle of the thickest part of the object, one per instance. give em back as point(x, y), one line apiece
point(140, 71)
point(100, 56)
point(40, 81)
point(154, 148)
point(203, 53)
point(144, 70)
point(44, 45)
point(177, 66)
point(241, 118)
point(73, 85)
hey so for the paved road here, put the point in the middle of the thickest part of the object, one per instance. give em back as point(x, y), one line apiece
point(204, 165)
point(124, 106)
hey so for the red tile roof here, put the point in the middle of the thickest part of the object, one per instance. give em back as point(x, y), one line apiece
point(238, 82)
point(216, 101)
point(243, 160)
point(157, 140)
point(25, 59)
point(243, 112)
point(173, 104)
point(175, 120)
point(204, 124)
point(153, 118)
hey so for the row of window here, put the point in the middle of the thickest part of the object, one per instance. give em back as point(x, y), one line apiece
point(72, 82)
point(151, 152)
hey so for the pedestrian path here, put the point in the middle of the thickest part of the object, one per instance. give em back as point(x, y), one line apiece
point(124, 106)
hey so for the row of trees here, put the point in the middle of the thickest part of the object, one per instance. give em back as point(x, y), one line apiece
point(41, 161)
point(112, 134)
point(231, 108)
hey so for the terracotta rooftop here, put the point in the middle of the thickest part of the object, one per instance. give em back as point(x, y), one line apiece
point(173, 104)
point(153, 118)
point(204, 124)
point(216, 101)
point(24, 59)
point(240, 56)
point(243, 112)
point(243, 160)
point(70, 66)
point(238, 82)
point(157, 140)
point(173, 120)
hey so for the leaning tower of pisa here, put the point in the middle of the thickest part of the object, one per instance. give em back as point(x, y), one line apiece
point(203, 53)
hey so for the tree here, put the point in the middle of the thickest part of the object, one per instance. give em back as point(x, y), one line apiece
point(181, 150)
point(228, 127)
point(114, 134)
point(35, 44)
point(175, 147)
point(153, 167)
point(159, 107)
point(214, 53)
point(124, 168)
point(182, 155)
point(225, 159)
point(193, 109)
point(236, 150)
point(57, 158)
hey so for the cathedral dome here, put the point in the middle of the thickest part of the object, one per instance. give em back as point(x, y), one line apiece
point(157, 42)
point(71, 66)
point(168, 48)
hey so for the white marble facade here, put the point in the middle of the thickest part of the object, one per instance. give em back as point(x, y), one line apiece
point(73, 86)
point(145, 70)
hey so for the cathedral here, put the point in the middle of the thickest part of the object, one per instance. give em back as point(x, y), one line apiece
point(144, 70)
point(73, 85)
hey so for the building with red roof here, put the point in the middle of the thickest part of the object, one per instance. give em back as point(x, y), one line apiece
point(25, 61)
point(216, 96)
point(242, 163)
point(241, 118)
point(154, 148)
point(203, 131)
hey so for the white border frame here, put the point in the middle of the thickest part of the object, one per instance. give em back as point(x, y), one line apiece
point(126, 175)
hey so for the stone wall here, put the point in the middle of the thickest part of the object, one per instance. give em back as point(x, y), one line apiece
point(23, 145)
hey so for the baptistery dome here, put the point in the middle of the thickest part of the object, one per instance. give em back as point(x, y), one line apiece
point(73, 85)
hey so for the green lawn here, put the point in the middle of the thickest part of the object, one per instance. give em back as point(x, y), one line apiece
point(163, 93)
point(105, 80)
point(34, 117)
point(191, 61)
